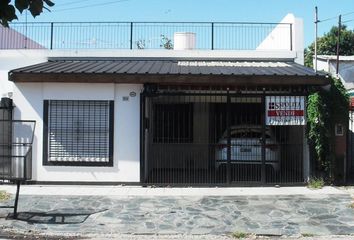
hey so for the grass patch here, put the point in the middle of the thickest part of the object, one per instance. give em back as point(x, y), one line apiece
point(316, 183)
point(239, 235)
point(308, 235)
point(4, 196)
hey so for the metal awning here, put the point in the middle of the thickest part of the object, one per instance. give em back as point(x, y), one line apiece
point(169, 71)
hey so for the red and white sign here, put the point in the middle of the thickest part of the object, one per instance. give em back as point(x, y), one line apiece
point(285, 110)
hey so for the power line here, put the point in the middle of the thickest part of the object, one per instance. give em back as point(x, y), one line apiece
point(350, 20)
point(327, 19)
point(91, 5)
point(345, 14)
point(335, 17)
point(71, 3)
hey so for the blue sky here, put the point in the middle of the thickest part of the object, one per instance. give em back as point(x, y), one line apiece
point(202, 10)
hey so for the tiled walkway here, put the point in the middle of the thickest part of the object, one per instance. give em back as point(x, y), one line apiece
point(94, 210)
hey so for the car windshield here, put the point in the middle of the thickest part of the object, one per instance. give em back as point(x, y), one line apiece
point(248, 133)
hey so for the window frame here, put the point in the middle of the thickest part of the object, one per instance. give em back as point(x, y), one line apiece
point(46, 161)
point(339, 130)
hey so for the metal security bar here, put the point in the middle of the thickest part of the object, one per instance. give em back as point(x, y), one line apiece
point(16, 139)
point(216, 137)
point(79, 132)
point(145, 35)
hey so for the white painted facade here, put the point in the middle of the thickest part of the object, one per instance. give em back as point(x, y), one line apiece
point(28, 100)
point(29, 97)
point(280, 37)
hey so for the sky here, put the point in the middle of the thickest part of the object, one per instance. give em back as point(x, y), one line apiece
point(202, 11)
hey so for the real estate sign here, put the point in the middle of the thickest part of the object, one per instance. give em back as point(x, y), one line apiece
point(285, 110)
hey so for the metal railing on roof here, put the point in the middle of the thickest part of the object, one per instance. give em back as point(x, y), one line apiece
point(144, 35)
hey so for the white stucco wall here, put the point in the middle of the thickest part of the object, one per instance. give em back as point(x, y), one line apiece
point(279, 37)
point(11, 59)
point(28, 98)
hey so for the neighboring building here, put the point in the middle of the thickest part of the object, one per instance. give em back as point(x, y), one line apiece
point(328, 63)
point(167, 117)
point(12, 39)
point(344, 142)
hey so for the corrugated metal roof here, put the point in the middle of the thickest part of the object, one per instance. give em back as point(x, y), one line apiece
point(170, 71)
point(334, 57)
point(169, 67)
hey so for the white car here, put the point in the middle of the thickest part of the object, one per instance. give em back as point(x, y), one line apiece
point(246, 147)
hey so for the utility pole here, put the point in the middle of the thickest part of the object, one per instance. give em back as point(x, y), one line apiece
point(338, 40)
point(316, 34)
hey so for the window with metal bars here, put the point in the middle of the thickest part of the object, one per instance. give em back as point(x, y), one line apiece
point(78, 133)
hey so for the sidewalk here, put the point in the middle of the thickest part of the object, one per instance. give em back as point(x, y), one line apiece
point(106, 212)
point(127, 191)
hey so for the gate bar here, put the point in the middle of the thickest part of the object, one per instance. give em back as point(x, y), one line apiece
point(18, 183)
point(15, 206)
point(228, 127)
point(263, 140)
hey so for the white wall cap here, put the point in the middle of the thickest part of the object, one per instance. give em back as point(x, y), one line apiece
point(202, 54)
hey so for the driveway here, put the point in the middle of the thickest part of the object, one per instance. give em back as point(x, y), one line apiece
point(106, 211)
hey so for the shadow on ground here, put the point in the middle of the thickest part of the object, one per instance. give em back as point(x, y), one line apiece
point(36, 237)
point(64, 216)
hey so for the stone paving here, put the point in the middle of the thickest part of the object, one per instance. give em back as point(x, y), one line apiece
point(213, 215)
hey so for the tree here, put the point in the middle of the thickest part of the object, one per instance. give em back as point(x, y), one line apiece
point(8, 8)
point(327, 45)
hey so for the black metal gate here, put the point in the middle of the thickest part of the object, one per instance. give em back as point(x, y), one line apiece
point(5, 135)
point(16, 138)
point(216, 137)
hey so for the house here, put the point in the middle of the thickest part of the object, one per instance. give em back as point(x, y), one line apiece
point(230, 114)
point(344, 142)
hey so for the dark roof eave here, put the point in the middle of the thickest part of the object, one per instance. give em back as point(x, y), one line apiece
point(194, 79)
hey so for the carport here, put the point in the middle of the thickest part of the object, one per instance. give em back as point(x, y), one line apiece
point(227, 123)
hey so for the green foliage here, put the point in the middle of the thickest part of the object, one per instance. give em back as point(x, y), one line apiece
point(325, 108)
point(317, 119)
point(316, 183)
point(327, 45)
point(4, 196)
point(166, 42)
point(239, 235)
point(308, 235)
point(8, 8)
